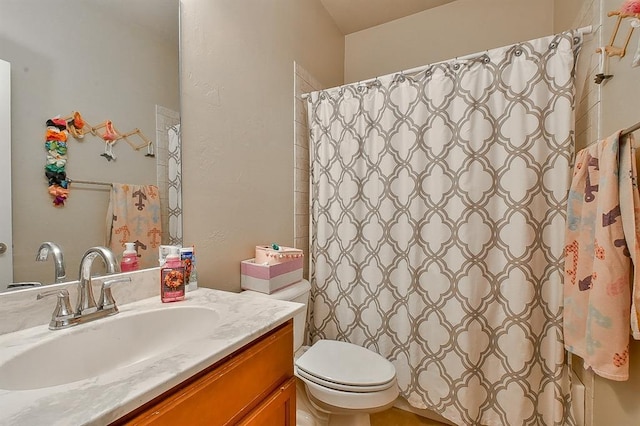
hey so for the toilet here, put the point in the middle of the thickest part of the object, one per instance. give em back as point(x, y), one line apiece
point(342, 383)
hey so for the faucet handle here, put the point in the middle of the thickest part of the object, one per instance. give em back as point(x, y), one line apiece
point(106, 301)
point(62, 315)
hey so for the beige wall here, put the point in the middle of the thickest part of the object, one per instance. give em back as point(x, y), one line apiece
point(238, 122)
point(454, 29)
point(74, 57)
point(565, 13)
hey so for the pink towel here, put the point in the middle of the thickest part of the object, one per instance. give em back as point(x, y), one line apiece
point(597, 291)
point(134, 216)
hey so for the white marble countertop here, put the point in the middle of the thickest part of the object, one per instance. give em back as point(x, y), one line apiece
point(107, 397)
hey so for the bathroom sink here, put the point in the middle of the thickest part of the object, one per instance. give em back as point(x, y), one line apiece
point(89, 350)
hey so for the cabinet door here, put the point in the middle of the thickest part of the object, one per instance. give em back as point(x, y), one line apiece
point(279, 408)
point(227, 392)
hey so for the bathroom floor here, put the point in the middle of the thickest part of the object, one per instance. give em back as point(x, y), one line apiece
point(397, 417)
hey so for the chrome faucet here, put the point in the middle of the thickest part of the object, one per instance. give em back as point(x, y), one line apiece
point(86, 301)
point(86, 309)
point(58, 259)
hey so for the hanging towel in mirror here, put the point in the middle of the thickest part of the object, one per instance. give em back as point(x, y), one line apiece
point(598, 256)
point(134, 216)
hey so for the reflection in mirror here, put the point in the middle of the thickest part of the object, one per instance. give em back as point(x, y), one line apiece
point(112, 60)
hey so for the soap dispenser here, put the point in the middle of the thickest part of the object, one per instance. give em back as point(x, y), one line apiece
point(172, 277)
point(129, 260)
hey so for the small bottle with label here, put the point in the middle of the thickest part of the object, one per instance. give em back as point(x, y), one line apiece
point(188, 257)
point(129, 260)
point(172, 279)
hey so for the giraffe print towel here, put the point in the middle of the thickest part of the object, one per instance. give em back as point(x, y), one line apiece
point(602, 225)
point(134, 216)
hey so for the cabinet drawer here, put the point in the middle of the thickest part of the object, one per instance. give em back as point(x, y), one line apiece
point(279, 408)
point(226, 391)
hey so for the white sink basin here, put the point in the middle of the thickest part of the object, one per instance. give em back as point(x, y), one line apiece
point(89, 350)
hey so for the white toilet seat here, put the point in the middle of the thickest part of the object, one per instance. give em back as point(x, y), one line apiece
point(345, 366)
point(341, 386)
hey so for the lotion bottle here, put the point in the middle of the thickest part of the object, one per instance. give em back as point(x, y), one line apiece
point(172, 277)
point(129, 260)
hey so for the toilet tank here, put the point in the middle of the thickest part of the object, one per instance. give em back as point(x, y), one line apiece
point(299, 293)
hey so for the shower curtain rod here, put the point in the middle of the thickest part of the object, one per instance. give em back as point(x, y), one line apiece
point(583, 30)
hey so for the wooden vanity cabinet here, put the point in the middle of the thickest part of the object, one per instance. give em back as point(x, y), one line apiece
point(253, 386)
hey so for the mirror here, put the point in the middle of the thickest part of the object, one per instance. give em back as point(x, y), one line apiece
point(112, 60)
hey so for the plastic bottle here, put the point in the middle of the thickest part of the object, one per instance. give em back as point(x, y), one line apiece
point(129, 260)
point(172, 277)
point(187, 254)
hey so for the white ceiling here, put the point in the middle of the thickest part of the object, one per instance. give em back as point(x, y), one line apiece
point(355, 15)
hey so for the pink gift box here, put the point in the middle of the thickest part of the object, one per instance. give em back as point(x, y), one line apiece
point(269, 278)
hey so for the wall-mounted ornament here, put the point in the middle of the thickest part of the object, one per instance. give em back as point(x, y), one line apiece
point(108, 132)
point(57, 133)
point(629, 9)
point(56, 145)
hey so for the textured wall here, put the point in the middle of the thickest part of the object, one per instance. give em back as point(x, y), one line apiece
point(238, 122)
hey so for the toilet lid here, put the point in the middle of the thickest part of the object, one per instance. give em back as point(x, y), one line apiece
point(347, 364)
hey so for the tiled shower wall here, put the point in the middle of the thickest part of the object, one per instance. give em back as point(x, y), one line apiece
point(165, 118)
point(587, 115)
point(303, 83)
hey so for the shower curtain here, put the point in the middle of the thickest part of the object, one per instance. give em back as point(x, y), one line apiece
point(438, 211)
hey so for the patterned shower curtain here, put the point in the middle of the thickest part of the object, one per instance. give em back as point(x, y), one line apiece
point(438, 212)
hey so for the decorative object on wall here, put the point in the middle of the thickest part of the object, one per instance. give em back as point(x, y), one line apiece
point(438, 211)
point(56, 145)
point(76, 125)
point(110, 135)
point(629, 9)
